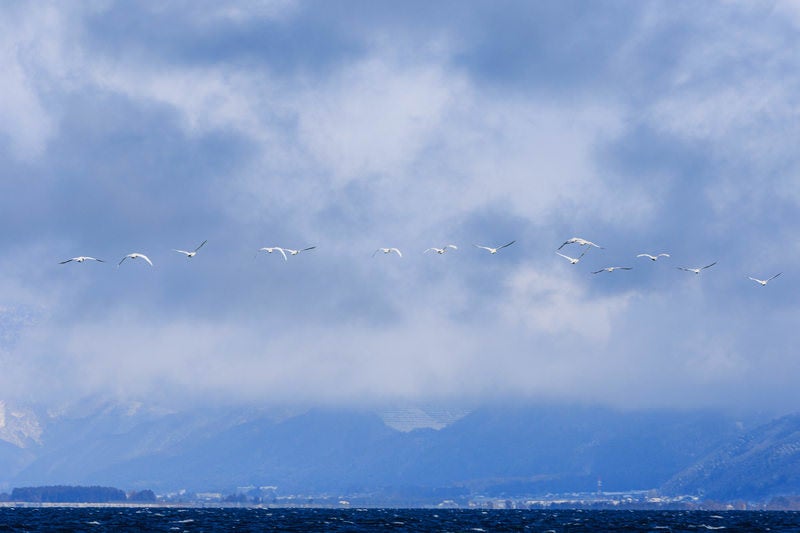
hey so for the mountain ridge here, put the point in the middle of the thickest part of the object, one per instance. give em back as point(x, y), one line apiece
point(493, 449)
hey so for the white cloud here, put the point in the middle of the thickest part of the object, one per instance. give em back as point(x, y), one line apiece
point(239, 11)
point(735, 96)
point(27, 40)
point(207, 99)
point(125, 356)
point(429, 142)
point(373, 119)
point(713, 361)
point(556, 304)
point(420, 137)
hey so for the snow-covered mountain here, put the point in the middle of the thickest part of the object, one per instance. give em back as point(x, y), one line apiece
point(19, 426)
point(499, 449)
point(763, 461)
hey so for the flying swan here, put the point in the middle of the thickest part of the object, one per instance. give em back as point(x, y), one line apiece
point(387, 251)
point(696, 270)
point(572, 260)
point(295, 252)
point(441, 250)
point(193, 252)
point(578, 240)
point(653, 257)
point(493, 250)
point(611, 269)
point(136, 256)
point(763, 282)
point(81, 259)
point(271, 249)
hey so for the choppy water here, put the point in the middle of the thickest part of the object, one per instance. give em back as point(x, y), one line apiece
point(301, 520)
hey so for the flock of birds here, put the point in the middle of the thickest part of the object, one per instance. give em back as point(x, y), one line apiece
point(582, 243)
point(652, 257)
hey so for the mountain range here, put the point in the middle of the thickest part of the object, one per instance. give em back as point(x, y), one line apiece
point(494, 450)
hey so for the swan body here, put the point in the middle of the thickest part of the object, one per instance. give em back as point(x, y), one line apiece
point(572, 260)
point(81, 259)
point(295, 252)
point(387, 251)
point(696, 270)
point(442, 250)
point(271, 249)
point(578, 240)
point(653, 257)
point(611, 269)
point(493, 250)
point(193, 252)
point(763, 282)
point(136, 255)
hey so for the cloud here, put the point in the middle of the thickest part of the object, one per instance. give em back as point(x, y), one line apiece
point(734, 96)
point(390, 128)
point(556, 305)
point(371, 131)
point(24, 118)
point(240, 12)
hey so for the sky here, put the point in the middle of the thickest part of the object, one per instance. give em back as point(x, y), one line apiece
point(643, 126)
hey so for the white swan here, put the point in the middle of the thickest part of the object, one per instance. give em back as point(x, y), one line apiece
point(572, 260)
point(193, 252)
point(295, 252)
point(271, 249)
point(696, 270)
point(493, 250)
point(81, 259)
point(136, 256)
point(387, 251)
point(578, 240)
point(611, 269)
point(653, 257)
point(441, 250)
point(763, 282)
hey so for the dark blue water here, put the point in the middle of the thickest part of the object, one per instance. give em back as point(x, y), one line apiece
point(207, 519)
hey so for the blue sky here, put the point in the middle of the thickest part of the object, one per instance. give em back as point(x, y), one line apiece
point(642, 126)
